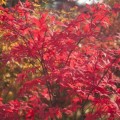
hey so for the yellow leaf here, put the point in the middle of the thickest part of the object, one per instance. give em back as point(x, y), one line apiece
point(2, 2)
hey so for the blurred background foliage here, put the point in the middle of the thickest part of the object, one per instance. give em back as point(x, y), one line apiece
point(58, 4)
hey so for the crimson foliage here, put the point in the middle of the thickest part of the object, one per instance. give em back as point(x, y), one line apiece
point(75, 71)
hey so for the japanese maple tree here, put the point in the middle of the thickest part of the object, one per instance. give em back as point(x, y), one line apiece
point(71, 73)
